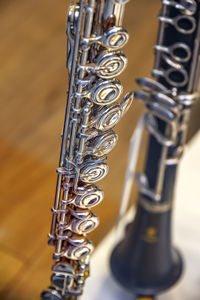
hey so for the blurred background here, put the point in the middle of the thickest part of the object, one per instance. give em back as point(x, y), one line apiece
point(33, 84)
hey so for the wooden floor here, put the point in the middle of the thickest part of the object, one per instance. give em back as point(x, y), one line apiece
point(33, 95)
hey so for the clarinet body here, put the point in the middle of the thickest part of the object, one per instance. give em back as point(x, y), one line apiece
point(95, 37)
point(145, 261)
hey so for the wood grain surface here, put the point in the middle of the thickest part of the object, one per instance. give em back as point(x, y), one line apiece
point(33, 84)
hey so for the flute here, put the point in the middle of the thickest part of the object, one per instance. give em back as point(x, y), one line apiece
point(95, 37)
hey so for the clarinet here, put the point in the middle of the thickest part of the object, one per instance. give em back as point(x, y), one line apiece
point(145, 261)
point(95, 36)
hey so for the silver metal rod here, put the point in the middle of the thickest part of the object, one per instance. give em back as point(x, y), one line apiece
point(71, 83)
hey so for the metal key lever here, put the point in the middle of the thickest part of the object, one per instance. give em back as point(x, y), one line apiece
point(165, 108)
point(63, 277)
point(102, 144)
point(74, 246)
point(79, 221)
point(152, 99)
point(102, 92)
point(166, 101)
point(90, 196)
point(149, 85)
point(108, 64)
point(183, 23)
point(176, 75)
point(114, 38)
point(107, 117)
point(68, 283)
point(106, 91)
point(188, 7)
point(93, 170)
point(179, 52)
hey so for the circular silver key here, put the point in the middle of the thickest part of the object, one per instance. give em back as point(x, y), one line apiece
point(103, 144)
point(92, 171)
point(80, 251)
point(110, 64)
point(115, 38)
point(84, 226)
point(93, 195)
point(106, 92)
point(108, 117)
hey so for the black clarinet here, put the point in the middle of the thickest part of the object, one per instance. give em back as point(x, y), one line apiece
point(145, 261)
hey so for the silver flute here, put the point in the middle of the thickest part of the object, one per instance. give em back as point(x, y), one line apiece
point(95, 35)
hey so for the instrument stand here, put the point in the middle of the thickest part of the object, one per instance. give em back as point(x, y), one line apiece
point(186, 234)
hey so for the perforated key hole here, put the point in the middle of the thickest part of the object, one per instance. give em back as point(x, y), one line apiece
point(185, 24)
point(115, 38)
point(111, 64)
point(181, 52)
point(109, 117)
point(103, 144)
point(107, 92)
point(91, 199)
point(88, 201)
point(81, 252)
point(87, 226)
point(177, 78)
point(93, 171)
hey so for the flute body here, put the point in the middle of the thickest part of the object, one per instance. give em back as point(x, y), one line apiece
point(95, 37)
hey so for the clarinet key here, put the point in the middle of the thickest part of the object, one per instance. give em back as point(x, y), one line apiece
point(183, 24)
point(149, 84)
point(179, 52)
